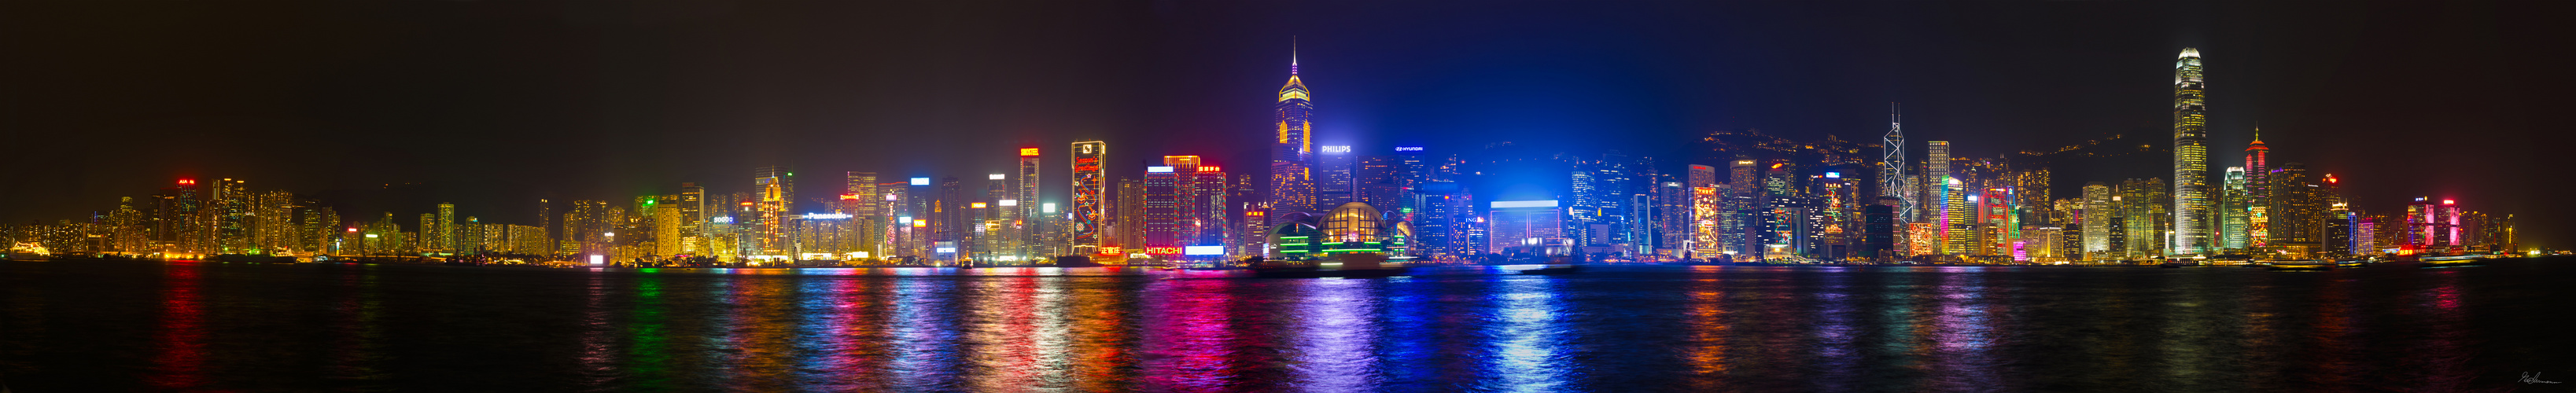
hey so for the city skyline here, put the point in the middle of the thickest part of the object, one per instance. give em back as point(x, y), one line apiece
point(476, 190)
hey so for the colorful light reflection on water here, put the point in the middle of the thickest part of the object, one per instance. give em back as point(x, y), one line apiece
point(1700, 328)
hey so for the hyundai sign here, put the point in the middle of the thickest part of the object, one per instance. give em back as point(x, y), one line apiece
point(1203, 250)
point(1513, 204)
point(921, 181)
point(1408, 148)
point(1158, 169)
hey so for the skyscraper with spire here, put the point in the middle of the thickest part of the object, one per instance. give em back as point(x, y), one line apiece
point(2191, 158)
point(1891, 163)
point(1292, 186)
point(2258, 192)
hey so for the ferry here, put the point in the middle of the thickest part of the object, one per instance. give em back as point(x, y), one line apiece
point(1356, 265)
point(2451, 260)
point(29, 251)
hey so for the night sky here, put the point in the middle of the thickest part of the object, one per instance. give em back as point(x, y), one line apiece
point(494, 104)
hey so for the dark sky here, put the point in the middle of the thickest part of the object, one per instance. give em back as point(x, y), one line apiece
point(493, 104)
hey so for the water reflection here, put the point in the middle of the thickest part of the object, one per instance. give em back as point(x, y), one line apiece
point(1189, 347)
point(2337, 355)
point(1708, 328)
point(1700, 328)
point(830, 350)
point(598, 355)
point(1836, 349)
point(648, 337)
point(1525, 340)
point(180, 357)
point(1334, 335)
point(358, 333)
point(2440, 362)
point(925, 344)
point(1102, 330)
point(1962, 335)
point(1000, 338)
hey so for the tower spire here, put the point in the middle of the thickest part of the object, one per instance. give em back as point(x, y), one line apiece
point(1292, 55)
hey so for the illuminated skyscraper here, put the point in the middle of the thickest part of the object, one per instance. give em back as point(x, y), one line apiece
point(776, 195)
point(1334, 184)
point(865, 229)
point(545, 224)
point(1891, 164)
point(1585, 209)
point(2337, 235)
point(1026, 225)
point(693, 219)
point(1090, 211)
point(1163, 209)
point(1738, 200)
point(175, 218)
point(444, 236)
point(2144, 217)
point(1130, 221)
point(1958, 217)
point(665, 219)
point(1207, 206)
point(1878, 228)
point(2191, 158)
point(995, 237)
point(1935, 204)
point(2258, 192)
point(2299, 203)
point(950, 218)
point(2231, 211)
point(1291, 183)
point(226, 215)
point(1673, 215)
point(1708, 214)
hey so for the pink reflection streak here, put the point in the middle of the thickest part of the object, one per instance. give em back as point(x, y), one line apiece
point(843, 347)
point(2334, 337)
point(597, 359)
point(1963, 333)
point(1195, 339)
point(182, 340)
point(2442, 361)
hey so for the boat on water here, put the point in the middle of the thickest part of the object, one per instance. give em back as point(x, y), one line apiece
point(29, 251)
point(1355, 265)
point(1338, 273)
point(2449, 260)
